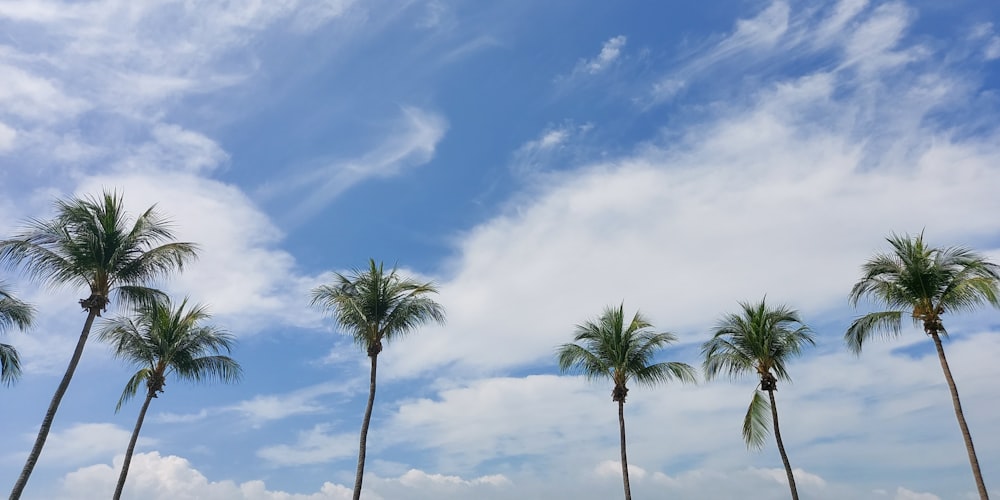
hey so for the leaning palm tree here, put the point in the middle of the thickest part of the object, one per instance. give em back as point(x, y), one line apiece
point(91, 244)
point(760, 340)
point(163, 340)
point(925, 283)
point(608, 348)
point(13, 312)
point(374, 307)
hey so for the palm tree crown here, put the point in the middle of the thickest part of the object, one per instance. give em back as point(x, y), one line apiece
point(922, 281)
point(13, 313)
point(375, 307)
point(759, 340)
point(90, 243)
point(163, 340)
point(608, 348)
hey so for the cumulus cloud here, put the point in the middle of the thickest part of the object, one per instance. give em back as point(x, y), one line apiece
point(171, 477)
point(154, 476)
point(245, 279)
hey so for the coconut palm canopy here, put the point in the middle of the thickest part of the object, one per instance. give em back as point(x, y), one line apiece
point(535, 161)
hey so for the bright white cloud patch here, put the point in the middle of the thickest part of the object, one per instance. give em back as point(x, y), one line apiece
point(609, 54)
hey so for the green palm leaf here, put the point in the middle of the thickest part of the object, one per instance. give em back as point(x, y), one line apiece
point(756, 423)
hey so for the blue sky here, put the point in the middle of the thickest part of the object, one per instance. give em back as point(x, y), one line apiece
point(538, 161)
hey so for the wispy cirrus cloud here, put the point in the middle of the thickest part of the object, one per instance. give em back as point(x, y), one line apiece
point(410, 141)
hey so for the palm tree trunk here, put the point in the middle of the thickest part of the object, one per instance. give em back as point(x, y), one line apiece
point(50, 414)
point(961, 417)
point(781, 447)
point(150, 394)
point(621, 432)
point(364, 431)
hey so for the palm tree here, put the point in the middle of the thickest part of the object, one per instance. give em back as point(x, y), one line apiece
point(13, 312)
point(374, 307)
point(90, 243)
point(609, 349)
point(758, 340)
point(924, 283)
point(162, 340)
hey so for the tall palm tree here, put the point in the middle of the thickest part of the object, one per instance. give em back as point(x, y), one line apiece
point(924, 283)
point(608, 348)
point(760, 340)
point(91, 244)
point(13, 312)
point(163, 340)
point(375, 307)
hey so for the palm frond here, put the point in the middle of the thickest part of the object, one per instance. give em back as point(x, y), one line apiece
point(885, 324)
point(10, 364)
point(137, 380)
point(14, 312)
point(756, 425)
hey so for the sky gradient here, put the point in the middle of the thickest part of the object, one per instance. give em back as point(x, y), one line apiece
point(538, 161)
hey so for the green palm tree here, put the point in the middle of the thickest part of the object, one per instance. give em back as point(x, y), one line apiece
point(13, 312)
point(375, 307)
point(758, 340)
point(924, 283)
point(91, 244)
point(609, 349)
point(163, 340)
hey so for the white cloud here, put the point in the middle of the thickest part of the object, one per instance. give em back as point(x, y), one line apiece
point(33, 98)
point(82, 443)
point(610, 52)
point(317, 445)
point(174, 148)
point(247, 282)
point(552, 148)
point(7, 138)
point(157, 477)
point(613, 468)
point(410, 141)
point(264, 408)
point(905, 494)
point(415, 478)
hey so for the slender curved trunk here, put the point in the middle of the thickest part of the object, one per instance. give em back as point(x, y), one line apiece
point(131, 444)
point(781, 447)
point(621, 432)
point(973, 461)
point(50, 414)
point(364, 431)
